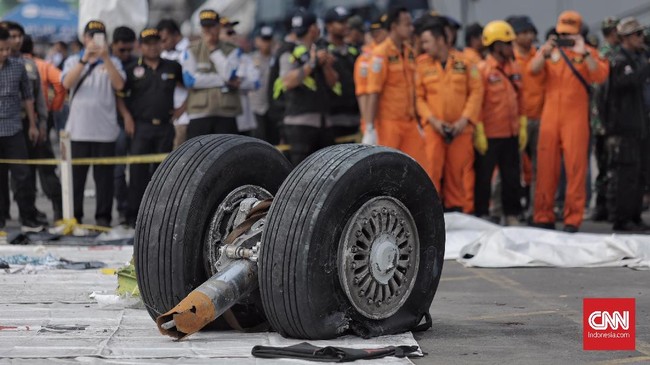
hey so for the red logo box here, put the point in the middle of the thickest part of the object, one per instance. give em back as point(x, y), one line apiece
point(608, 324)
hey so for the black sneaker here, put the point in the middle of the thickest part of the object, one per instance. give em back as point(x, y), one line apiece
point(550, 226)
point(630, 226)
point(30, 225)
point(2, 223)
point(102, 222)
point(599, 215)
point(570, 228)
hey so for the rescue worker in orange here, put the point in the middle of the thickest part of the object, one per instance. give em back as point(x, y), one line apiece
point(533, 93)
point(564, 127)
point(391, 119)
point(378, 34)
point(473, 50)
point(449, 99)
point(501, 134)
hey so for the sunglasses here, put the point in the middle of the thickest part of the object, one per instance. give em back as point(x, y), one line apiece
point(124, 50)
point(231, 32)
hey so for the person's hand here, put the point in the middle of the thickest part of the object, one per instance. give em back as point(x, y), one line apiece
point(437, 125)
point(129, 125)
point(523, 132)
point(103, 53)
point(480, 139)
point(458, 126)
point(547, 47)
point(370, 134)
point(234, 83)
point(322, 56)
point(579, 47)
point(33, 134)
point(176, 114)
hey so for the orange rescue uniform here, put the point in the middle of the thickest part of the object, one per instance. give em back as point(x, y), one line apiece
point(503, 103)
point(564, 131)
point(391, 75)
point(472, 56)
point(361, 70)
point(449, 94)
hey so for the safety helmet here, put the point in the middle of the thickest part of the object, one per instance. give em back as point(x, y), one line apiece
point(497, 30)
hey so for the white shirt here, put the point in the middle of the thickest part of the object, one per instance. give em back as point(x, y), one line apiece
point(180, 93)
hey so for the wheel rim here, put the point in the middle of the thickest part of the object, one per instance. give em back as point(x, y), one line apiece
point(378, 257)
point(222, 222)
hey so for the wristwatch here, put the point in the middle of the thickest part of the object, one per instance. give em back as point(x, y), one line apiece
point(586, 54)
point(83, 62)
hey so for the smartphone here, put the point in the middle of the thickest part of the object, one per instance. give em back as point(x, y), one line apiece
point(99, 39)
point(566, 42)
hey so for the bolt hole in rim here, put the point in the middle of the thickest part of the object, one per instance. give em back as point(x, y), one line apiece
point(378, 257)
point(222, 222)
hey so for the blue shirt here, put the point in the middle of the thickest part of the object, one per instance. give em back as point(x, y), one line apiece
point(14, 88)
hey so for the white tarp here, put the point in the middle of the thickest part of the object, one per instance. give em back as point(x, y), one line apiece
point(114, 13)
point(242, 11)
point(475, 242)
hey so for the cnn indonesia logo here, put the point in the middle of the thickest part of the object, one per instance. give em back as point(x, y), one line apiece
point(608, 324)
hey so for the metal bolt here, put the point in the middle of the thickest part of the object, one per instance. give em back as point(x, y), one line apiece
point(365, 222)
point(410, 248)
point(397, 292)
point(401, 222)
point(374, 213)
point(355, 249)
point(384, 210)
point(378, 303)
point(362, 293)
point(218, 263)
point(408, 266)
point(389, 299)
point(407, 234)
point(358, 234)
point(356, 280)
point(369, 301)
point(354, 265)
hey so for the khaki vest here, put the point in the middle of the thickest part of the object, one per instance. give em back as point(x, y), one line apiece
point(214, 101)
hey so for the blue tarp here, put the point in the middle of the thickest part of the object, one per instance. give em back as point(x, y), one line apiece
point(46, 20)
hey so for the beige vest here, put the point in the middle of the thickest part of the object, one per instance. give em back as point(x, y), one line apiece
point(214, 101)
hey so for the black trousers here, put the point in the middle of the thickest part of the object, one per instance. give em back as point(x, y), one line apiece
point(15, 147)
point(119, 173)
point(102, 174)
point(267, 129)
point(148, 138)
point(504, 153)
point(600, 146)
point(211, 125)
point(625, 188)
point(306, 140)
point(339, 131)
point(50, 182)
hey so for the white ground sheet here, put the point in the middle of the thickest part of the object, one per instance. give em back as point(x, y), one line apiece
point(47, 314)
point(475, 242)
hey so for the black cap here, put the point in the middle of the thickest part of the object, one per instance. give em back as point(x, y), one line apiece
point(521, 23)
point(356, 23)
point(94, 26)
point(301, 21)
point(149, 34)
point(226, 22)
point(379, 22)
point(337, 14)
point(265, 32)
point(208, 18)
point(453, 22)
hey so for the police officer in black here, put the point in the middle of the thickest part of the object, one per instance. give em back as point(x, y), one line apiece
point(627, 128)
point(306, 77)
point(149, 100)
point(344, 109)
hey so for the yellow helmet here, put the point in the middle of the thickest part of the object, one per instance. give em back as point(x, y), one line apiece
point(498, 30)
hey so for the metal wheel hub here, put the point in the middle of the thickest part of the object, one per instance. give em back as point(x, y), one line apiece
point(229, 214)
point(378, 257)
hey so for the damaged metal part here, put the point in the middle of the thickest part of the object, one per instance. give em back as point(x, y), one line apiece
point(378, 257)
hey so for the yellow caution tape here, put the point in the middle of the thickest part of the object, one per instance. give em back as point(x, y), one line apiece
point(139, 159)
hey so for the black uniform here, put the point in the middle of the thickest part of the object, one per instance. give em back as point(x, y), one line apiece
point(344, 108)
point(150, 99)
point(627, 128)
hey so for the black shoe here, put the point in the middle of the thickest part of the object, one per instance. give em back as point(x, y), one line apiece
point(40, 216)
point(550, 226)
point(103, 222)
point(570, 228)
point(599, 215)
point(629, 226)
point(30, 225)
point(122, 220)
point(2, 223)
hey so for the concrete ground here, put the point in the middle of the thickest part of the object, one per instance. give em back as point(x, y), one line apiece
point(518, 315)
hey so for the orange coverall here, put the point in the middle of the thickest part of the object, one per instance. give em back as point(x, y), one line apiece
point(449, 94)
point(361, 71)
point(472, 55)
point(392, 76)
point(51, 76)
point(564, 131)
point(533, 93)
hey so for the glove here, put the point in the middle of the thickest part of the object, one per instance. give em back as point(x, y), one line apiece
point(523, 132)
point(370, 135)
point(480, 140)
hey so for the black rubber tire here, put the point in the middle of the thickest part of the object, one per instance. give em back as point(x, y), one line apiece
point(178, 205)
point(298, 272)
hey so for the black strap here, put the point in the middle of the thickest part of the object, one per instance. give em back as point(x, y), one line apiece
point(575, 71)
point(82, 79)
point(509, 77)
point(306, 351)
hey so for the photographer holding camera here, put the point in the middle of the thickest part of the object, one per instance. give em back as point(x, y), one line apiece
point(306, 74)
point(568, 67)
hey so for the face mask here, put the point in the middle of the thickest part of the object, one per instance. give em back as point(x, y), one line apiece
point(56, 58)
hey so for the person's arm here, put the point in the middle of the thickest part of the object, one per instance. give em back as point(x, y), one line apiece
point(371, 108)
point(474, 101)
point(193, 79)
point(73, 69)
point(40, 107)
point(326, 61)
point(376, 78)
point(249, 74)
point(27, 96)
point(597, 66)
point(129, 123)
point(292, 73)
point(539, 60)
point(54, 78)
point(114, 70)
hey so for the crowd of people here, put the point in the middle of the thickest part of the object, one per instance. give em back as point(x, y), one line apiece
point(505, 127)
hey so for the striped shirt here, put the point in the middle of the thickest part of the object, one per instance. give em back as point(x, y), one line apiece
point(14, 88)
